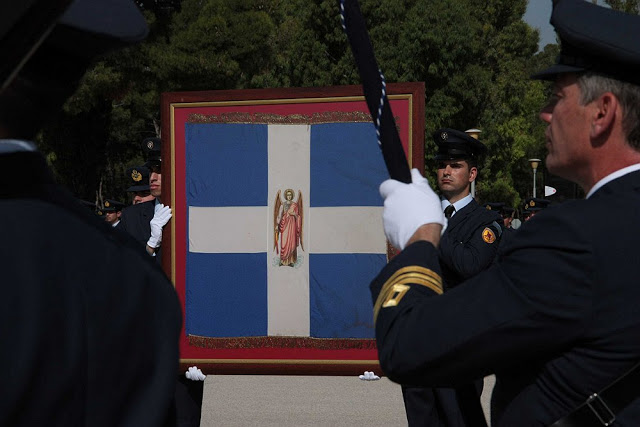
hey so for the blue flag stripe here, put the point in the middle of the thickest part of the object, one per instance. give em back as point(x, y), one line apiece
point(226, 295)
point(346, 165)
point(339, 294)
point(226, 165)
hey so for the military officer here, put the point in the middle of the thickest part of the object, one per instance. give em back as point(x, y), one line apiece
point(139, 184)
point(145, 221)
point(505, 212)
point(507, 216)
point(90, 326)
point(111, 212)
point(532, 206)
point(467, 247)
point(494, 206)
point(555, 318)
point(470, 241)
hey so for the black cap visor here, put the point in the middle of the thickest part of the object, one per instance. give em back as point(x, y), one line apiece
point(552, 72)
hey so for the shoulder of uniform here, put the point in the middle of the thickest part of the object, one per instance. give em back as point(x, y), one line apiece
point(491, 232)
point(497, 227)
point(396, 286)
point(417, 265)
point(150, 204)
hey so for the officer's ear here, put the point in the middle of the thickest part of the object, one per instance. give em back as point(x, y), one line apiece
point(473, 173)
point(606, 108)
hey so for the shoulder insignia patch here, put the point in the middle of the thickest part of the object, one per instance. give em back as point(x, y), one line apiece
point(488, 235)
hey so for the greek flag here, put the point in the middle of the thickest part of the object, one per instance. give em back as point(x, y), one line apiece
point(240, 181)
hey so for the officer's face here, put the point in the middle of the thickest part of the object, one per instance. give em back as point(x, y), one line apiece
point(155, 179)
point(155, 184)
point(111, 217)
point(567, 134)
point(454, 178)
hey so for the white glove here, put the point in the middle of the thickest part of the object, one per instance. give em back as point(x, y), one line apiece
point(195, 374)
point(409, 206)
point(369, 376)
point(161, 216)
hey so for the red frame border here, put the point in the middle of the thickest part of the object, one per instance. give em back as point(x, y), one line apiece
point(407, 101)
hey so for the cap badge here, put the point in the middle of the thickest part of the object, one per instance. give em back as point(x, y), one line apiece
point(99, 213)
point(106, 204)
point(150, 145)
point(488, 207)
point(532, 203)
point(136, 176)
point(488, 235)
point(444, 136)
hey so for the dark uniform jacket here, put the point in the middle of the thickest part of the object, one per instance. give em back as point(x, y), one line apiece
point(468, 246)
point(555, 318)
point(90, 325)
point(470, 243)
point(507, 234)
point(187, 403)
point(135, 220)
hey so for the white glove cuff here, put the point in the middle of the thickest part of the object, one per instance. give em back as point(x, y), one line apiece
point(153, 242)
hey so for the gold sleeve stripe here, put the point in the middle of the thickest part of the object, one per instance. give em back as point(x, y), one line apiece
point(397, 286)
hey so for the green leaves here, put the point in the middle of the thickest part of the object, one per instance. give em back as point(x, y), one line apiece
point(475, 57)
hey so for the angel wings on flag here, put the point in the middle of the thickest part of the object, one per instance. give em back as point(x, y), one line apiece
point(288, 223)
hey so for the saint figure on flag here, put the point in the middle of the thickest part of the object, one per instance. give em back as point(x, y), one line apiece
point(288, 218)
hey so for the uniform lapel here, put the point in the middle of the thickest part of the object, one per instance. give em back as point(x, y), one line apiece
point(148, 211)
point(462, 214)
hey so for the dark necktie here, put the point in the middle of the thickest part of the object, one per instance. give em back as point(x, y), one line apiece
point(448, 211)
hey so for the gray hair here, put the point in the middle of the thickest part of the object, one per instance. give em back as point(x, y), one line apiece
point(593, 85)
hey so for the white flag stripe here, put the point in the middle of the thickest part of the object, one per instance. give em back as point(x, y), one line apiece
point(332, 230)
point(288, 287)
point(353, 229)
point(289, 160)
point(228, 229)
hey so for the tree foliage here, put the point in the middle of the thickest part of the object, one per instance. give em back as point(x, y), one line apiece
point(628, 6)
point(475, 57)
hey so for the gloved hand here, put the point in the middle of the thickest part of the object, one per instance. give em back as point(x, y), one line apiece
point(407, 207)
point(160, 218)
point(195, 374)
point(369, 376)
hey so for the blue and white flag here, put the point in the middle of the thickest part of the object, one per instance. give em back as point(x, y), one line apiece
point(237, 177)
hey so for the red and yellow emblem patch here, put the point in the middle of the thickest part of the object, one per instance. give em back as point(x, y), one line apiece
point(488, 235)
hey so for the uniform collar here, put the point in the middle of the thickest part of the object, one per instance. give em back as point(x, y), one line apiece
point(459, 204)
point(615, 175)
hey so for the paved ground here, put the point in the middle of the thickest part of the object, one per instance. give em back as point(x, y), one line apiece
point(262, 400)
